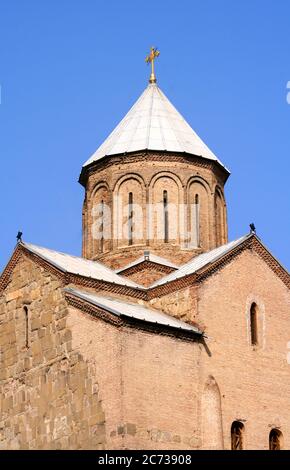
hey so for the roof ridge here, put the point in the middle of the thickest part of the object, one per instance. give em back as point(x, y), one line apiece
point(153, 258)
point(27, 245)
point(166, 102)
point(149, 124)
point(182, 271)
point(95, 269)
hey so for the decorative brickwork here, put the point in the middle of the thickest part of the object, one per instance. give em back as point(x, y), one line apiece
point(146, 176)
point(146, 272)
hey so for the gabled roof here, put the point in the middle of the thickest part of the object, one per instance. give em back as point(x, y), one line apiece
point(87, 273)
point(80, 266)
point(152, 258)
point(130, 310)
point(200, 262)
point(153, 123)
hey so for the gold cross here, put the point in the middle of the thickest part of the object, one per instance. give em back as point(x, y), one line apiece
point(150, 60)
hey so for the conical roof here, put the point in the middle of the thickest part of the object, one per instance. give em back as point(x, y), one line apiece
point(153, 123)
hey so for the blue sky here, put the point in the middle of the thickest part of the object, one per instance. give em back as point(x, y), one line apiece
point(70, 70)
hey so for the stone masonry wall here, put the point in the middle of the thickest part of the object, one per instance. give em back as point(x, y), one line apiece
point(181, 304)
point(48, 393)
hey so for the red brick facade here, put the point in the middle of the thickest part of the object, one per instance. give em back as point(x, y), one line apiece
point(147, 175)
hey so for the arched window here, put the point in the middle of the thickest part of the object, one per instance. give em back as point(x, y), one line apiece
point(130, 219)
point(219, 219)
point(275, 440)
point(166, 221)
point(26, 319)
point(254, 324)
point(196, 213)
point(237, 431)
point(100, 230)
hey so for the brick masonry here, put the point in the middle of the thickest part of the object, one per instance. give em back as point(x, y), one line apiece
point(252, 380)
point(147, 176)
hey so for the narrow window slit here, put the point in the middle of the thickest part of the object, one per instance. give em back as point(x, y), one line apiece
point(254, 324)
point(102, 227)
point(26, 319)
point(197, 222)
point(130, 219)
point(166, 221)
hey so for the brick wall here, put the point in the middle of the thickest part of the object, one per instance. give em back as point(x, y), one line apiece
point(147, 383)
point(253, 380)
point(145, 276)
point(147, 176)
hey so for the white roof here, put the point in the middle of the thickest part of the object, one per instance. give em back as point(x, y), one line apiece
point(139, 312)
point(153, 258)
point(98, 271)
point(153, 123)
point(81, 266)
point(199, 262)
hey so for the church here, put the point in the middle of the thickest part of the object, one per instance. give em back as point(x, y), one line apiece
point(163, 334)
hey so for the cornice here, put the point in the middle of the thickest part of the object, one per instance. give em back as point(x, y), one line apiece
point(146, 155)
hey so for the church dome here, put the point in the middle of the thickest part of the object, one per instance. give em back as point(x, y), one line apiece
point(152, 185)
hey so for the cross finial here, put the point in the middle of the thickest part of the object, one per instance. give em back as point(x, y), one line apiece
point(252, 228)
point(150, 60)
point(19, 236)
